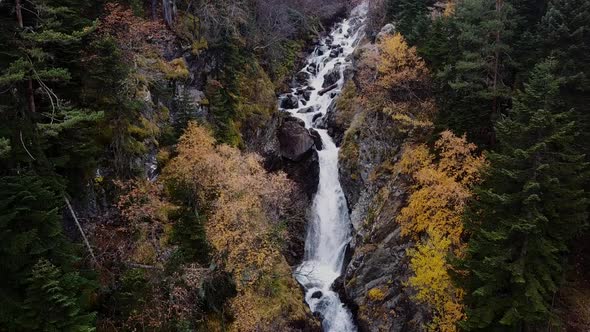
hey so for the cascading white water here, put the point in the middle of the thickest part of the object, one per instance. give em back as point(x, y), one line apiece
point(329, 228)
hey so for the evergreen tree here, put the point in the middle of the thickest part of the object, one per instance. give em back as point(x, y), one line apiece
point(30, 232)
point(531, 204)
point(411, 17)
point(42, 46)
point(439, 46)
point(565, 31)
point(476, 89)
point(53, 301)
point(223, 93)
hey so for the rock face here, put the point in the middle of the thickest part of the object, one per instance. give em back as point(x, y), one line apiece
point(308, 109)
point(376, 196)
point(336, 128)
point(302, 77)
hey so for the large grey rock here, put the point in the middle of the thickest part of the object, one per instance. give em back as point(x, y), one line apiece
point(335, 129)
point(387, 30)
point(308, 109)
point(302, 77)
point(290, 102)
point(332, 76)
point(295, 140)
point(327, 89)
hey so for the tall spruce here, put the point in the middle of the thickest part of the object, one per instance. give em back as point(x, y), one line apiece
point(30, 232)
point(411, 17)
point(54, 301)
point(531, 204)
point(476, 89)
point(565, 30)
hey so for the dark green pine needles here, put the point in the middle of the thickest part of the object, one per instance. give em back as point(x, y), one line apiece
point(530, 206)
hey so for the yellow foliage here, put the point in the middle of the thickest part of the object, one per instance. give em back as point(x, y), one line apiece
point(399, 66)
point(376, 294)
point(450, 8)
point(176, 69)
point(433, 283)
point(435, 208)
point(199, 45)
point(395, 81)
point(442, 189)
point(242, 200)
point(458, 158)
point(415, 159)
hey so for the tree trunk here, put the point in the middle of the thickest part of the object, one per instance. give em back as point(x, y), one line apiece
point(19, 13)
point(81, 231)
point(29, 88)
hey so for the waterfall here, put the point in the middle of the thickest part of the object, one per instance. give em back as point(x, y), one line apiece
point(329, 229)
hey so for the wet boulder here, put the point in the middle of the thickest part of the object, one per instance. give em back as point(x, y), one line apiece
point(294, 119)
point(317, 139)
point(290, 102)
point(308, 109)
point(316, 118)
point(332, 76)
point(302, 77)
point(306, 95)
point(317, 295)
point(328, 89)
point(295, 140)
point(312, 68)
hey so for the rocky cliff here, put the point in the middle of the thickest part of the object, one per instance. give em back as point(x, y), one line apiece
point(375, 278)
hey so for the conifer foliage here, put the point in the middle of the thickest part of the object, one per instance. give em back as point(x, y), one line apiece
point(529, 207)
point(39, 290)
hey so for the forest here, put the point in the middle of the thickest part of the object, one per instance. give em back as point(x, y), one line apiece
point(155, 173)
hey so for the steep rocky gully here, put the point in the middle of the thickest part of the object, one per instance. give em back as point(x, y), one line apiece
point(375, 266)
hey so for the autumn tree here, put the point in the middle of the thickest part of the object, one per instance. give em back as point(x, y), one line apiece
point(434, 213)
point(243, 205)
point(394, 80)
